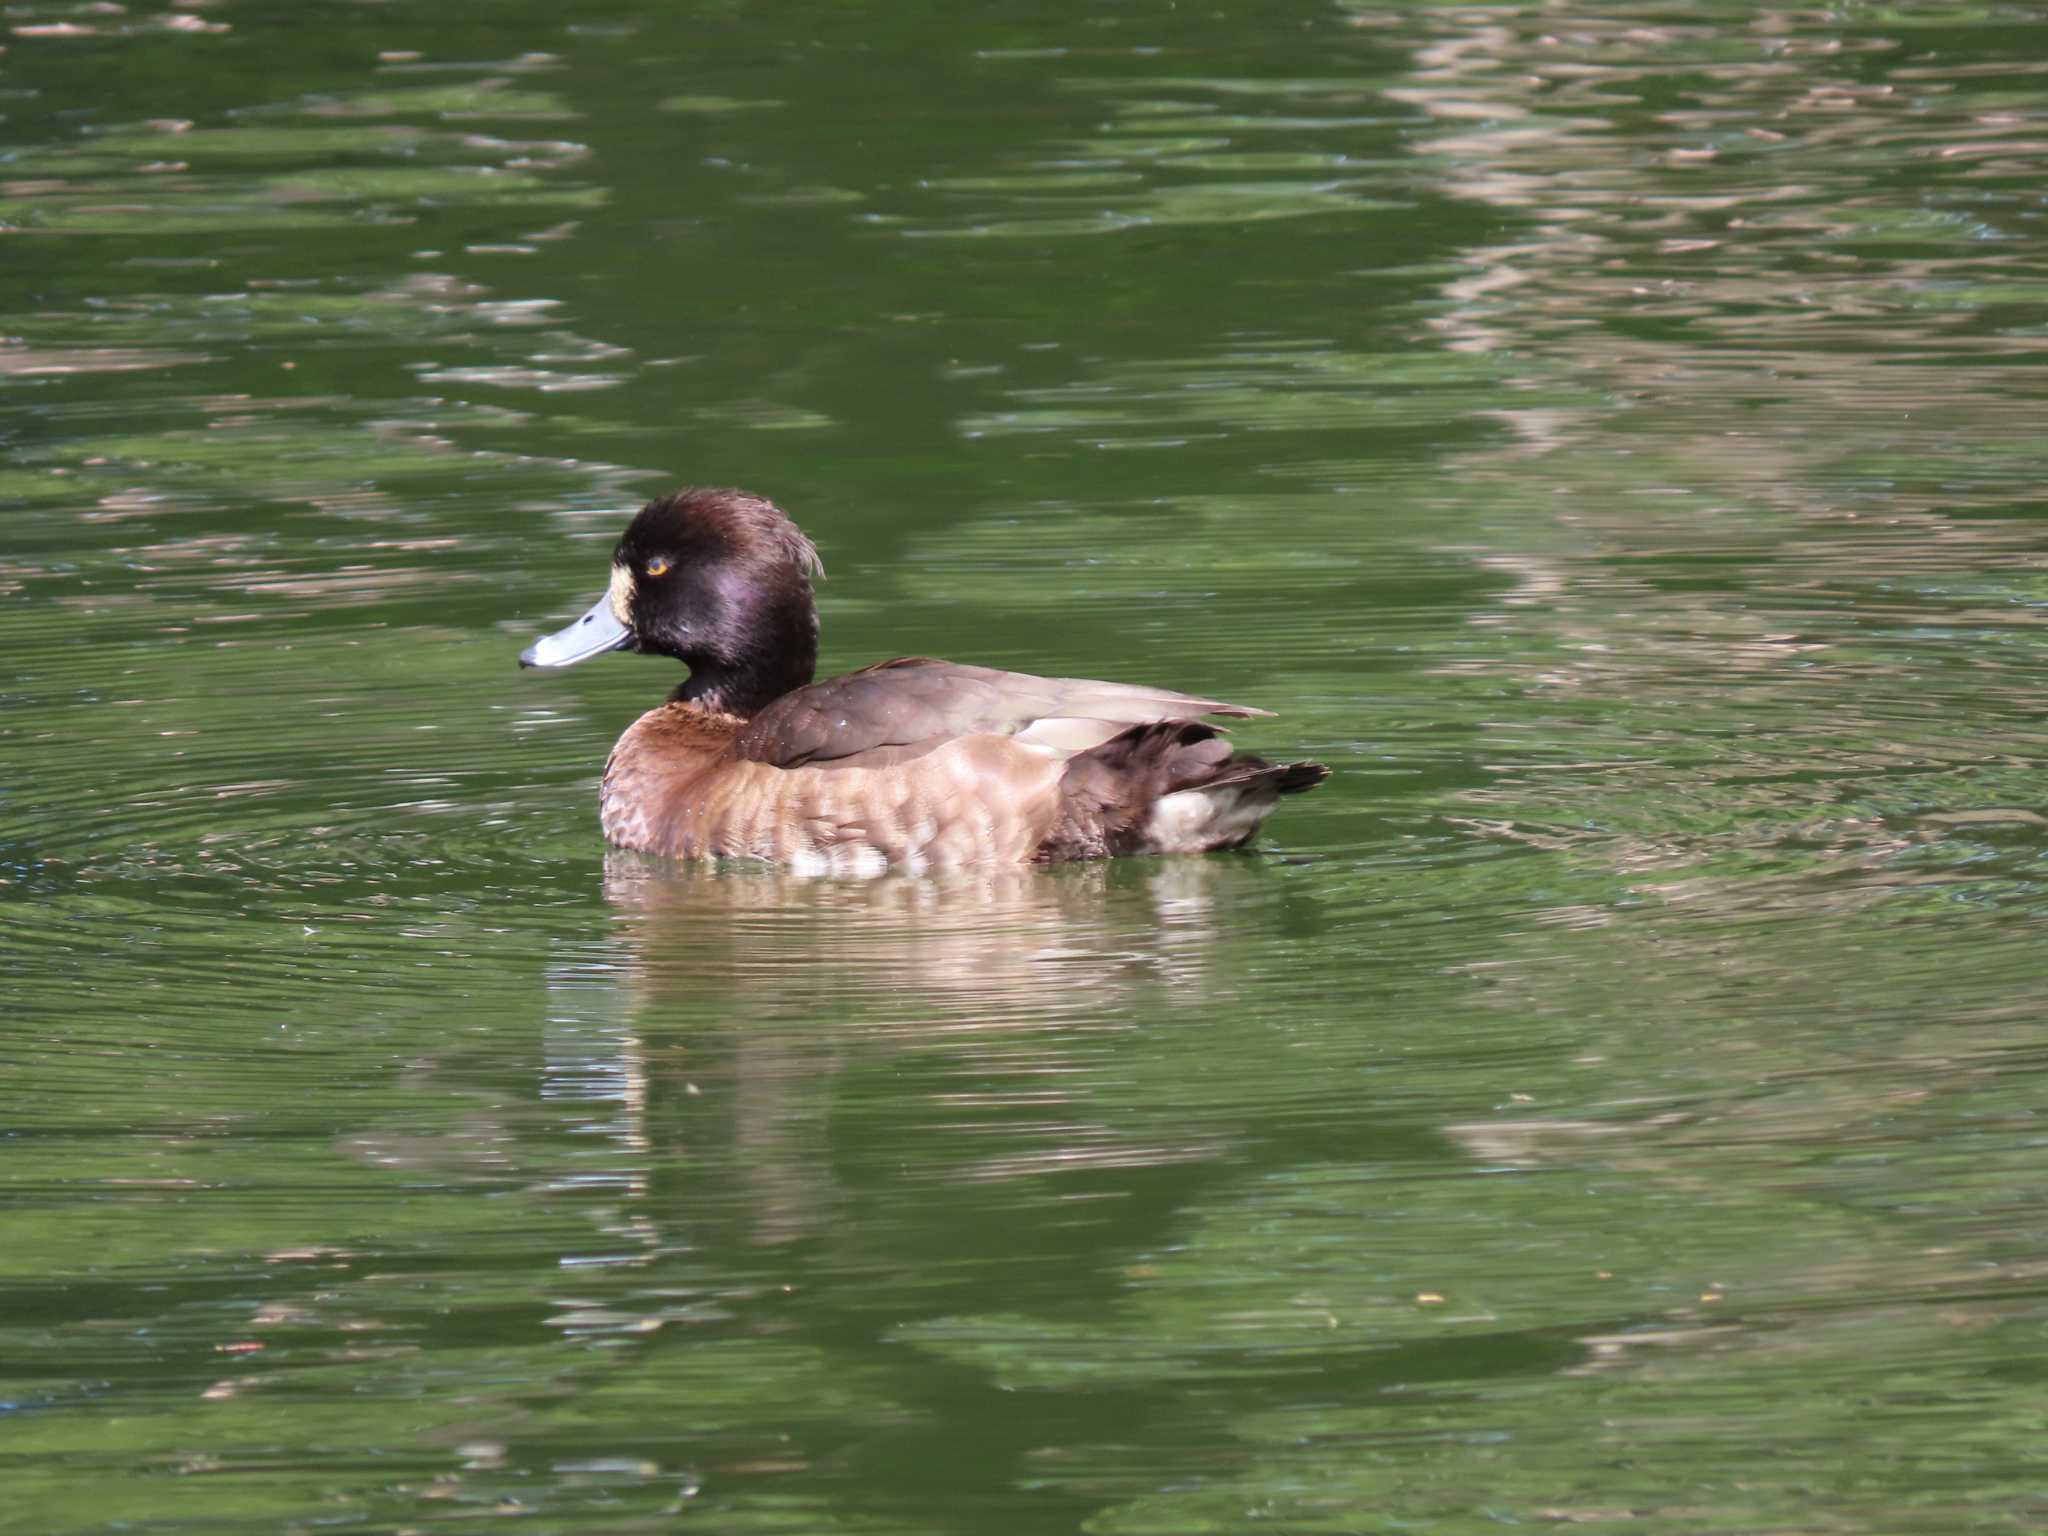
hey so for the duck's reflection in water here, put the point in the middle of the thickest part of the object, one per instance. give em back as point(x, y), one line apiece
point(992, 948)
point(754, 1035)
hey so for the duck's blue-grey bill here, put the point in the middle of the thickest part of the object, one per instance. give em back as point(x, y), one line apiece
point(595, 633)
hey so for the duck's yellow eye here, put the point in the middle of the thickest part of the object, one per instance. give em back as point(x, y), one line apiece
point(658, 566)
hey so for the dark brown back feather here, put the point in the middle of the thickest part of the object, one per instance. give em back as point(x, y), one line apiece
point(909, 705)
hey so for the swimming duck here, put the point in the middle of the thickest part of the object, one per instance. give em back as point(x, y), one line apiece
point(913, 762)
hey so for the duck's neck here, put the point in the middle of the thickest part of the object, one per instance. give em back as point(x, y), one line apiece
point(747, 684)
point(727, 692)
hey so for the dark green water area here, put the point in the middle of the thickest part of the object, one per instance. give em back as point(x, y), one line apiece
point(1612, 437)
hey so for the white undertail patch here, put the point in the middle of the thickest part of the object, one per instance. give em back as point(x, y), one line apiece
point(1195, 820)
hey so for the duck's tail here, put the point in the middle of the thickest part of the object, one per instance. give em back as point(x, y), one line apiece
point(1170, 787)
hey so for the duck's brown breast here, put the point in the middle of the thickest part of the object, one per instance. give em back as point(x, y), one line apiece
point(674, 786)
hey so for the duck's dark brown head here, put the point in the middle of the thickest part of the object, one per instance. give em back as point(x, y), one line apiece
point(718, 579)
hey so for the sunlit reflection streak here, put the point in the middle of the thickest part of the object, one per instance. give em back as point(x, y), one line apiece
point(593, 1066)
point(1847, 555)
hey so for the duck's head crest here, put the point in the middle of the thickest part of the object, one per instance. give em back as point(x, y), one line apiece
point(703, 527)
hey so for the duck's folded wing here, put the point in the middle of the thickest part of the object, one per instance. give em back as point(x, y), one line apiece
point(900, 709)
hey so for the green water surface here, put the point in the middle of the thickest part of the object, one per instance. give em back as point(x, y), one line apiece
point(1611, 437)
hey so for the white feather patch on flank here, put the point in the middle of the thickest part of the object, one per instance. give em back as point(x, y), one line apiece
point(861, 861)
point(621, 595)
